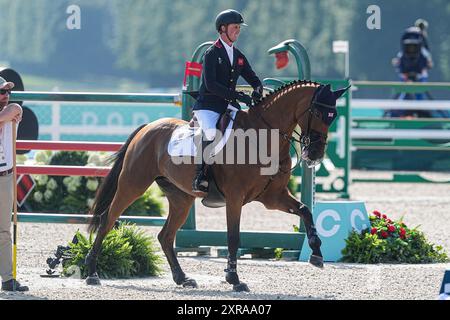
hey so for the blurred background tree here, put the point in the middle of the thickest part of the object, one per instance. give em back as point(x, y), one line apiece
point(149, 40)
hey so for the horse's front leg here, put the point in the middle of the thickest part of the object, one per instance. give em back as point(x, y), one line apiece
point(287, 203)
point(234, 209)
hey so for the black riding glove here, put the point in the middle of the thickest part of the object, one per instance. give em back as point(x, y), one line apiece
point(244, 98)
point(257, 94)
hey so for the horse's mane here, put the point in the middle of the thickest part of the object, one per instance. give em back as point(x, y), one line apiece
point(270, 99)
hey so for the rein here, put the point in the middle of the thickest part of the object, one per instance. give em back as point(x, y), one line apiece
point(290, 139)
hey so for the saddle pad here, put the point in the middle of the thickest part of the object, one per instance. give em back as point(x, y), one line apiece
point(182, 141)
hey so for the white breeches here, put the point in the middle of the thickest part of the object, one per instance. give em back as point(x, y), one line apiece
point(207, 121)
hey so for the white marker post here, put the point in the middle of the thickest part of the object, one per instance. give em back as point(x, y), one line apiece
point(343, 47)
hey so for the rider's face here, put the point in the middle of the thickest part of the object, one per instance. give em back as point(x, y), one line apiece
point(233, 31)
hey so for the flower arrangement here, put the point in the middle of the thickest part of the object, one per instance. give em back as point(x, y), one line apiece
point(385, 227)
point(74, 194)
point(389, 241)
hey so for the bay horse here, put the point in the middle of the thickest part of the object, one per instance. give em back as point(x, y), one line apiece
point(144, 159)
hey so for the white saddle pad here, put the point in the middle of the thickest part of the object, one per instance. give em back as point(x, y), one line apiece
point(182, 141)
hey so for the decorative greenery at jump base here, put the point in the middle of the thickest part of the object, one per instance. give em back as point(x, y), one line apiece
point(126, 252)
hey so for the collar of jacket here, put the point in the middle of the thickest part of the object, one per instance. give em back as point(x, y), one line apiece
point(218, 44)
point(224, 53)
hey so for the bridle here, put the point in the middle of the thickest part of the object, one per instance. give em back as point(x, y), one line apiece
point(305, 138)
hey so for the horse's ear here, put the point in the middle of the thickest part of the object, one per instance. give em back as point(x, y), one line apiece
point(339, 93)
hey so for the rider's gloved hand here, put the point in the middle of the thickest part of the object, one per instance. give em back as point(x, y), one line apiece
point(244, 98)
point(257, 94)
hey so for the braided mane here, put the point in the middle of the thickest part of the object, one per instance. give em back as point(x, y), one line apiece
point(272, 97)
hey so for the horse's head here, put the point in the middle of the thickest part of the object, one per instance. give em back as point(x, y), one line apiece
point(316, 121)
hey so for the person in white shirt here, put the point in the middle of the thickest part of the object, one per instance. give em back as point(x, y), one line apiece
point(9, 112)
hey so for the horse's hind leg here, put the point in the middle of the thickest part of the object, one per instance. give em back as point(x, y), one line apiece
point(125, 195)
point(179, 205)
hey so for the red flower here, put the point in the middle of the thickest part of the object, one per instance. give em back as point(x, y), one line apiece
point(377, 213)
point(402, 232)
point(389, 221)
point(373, 231)
point(391, 228)
point(384, 234)
point(384, 216)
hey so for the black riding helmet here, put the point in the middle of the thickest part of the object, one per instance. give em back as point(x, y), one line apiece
point(227, 17)
point(422, 24)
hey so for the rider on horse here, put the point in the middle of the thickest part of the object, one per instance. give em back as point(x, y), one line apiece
point(223, 64)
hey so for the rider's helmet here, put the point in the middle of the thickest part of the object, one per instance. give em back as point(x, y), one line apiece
point(412, 42)
point(227, 17)
point(422, 24)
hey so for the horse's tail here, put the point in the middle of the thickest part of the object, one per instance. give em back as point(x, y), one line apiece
point(108, 188)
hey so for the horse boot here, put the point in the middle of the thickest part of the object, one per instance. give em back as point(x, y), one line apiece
point(200, 183)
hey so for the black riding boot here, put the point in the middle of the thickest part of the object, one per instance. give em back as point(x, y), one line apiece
point(200, 182)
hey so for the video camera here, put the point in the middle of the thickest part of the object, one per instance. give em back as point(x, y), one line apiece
point(61, 255)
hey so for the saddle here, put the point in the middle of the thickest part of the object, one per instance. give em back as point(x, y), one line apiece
point(222, 123)
point(214, 197)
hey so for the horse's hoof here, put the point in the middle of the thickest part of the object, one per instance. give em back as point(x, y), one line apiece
point(93, 281)
point(190, 283)
point(316, 261)
point(241, 287)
